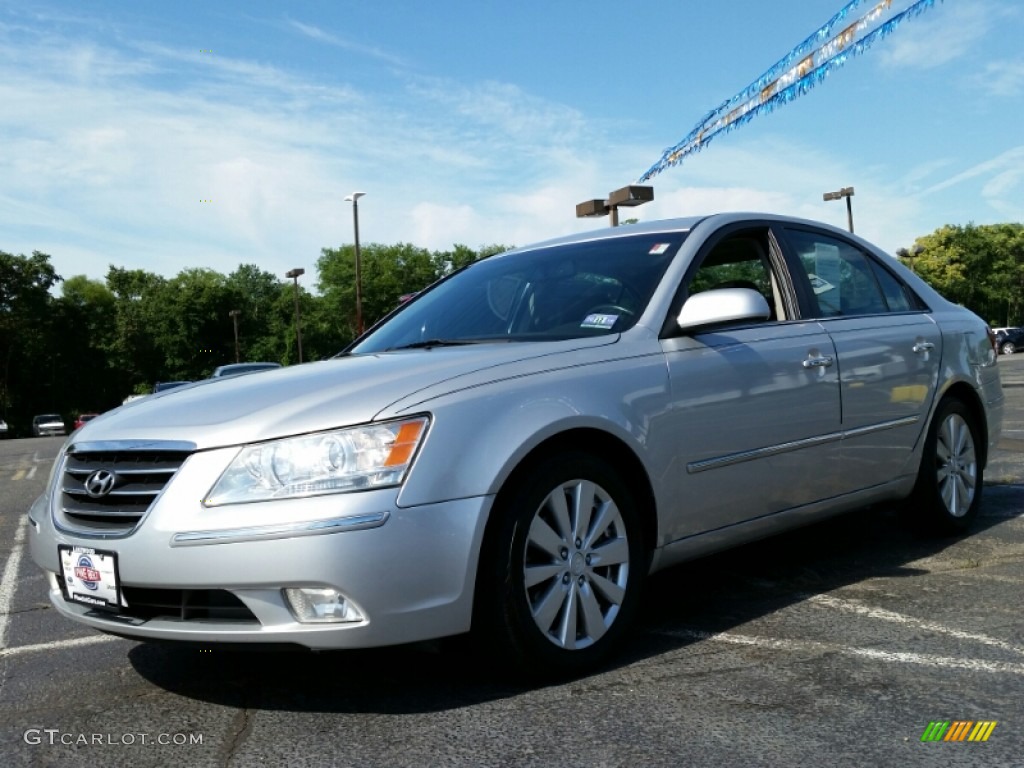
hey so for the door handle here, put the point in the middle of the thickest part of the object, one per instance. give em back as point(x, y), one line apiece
point(923, 346)
point(818, 362)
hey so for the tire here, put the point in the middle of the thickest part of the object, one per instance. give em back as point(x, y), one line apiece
point(1008, 348)
point(947, 495)
point(561, 579)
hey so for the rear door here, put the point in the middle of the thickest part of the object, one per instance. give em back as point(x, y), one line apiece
point(888, 347)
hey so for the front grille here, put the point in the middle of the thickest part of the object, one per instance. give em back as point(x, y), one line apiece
point(144, 603)
point(108, 492)
point(184, 605)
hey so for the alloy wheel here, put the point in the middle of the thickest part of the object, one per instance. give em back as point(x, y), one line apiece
point(576, 564)
point(957, 465)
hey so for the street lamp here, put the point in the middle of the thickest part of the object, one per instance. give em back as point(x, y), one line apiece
point(623, 197)
point(908, 256)
point(294, 274)
point(233, 314)
point(354, 199)
point(846, 192)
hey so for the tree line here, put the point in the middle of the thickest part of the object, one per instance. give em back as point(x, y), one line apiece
point(80, 345)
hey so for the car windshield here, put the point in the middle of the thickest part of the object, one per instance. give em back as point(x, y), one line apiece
point(543, 294)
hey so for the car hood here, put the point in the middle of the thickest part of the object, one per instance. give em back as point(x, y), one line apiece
point(317, 396)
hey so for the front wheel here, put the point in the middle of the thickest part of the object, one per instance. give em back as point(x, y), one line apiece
point(567, 563)
point(1009, 348)
point(948, 491)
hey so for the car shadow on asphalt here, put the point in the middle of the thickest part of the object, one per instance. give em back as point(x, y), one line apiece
point(706, 596)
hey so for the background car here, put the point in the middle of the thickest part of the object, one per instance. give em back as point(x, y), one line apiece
point(1009, 340)
point(83, 418)
point(514, 450)
point(48, 424)
point(237, 369)
point(163, 386)
point(4, 429)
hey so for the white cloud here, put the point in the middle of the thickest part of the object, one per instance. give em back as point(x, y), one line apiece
point(1003, 79)
point(943, 34)
point(315, 33)
point(1010, 160)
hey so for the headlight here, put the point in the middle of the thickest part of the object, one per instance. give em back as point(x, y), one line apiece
point(353, 459)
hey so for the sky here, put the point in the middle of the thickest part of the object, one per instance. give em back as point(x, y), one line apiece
point(171, 135)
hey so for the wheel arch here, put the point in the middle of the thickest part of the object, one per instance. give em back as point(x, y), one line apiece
point(966, 394)
point(588, 440)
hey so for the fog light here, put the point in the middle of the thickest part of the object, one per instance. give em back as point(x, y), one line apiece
point(321, 606)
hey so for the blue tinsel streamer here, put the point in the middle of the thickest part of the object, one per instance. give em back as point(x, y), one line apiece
point(701, 135)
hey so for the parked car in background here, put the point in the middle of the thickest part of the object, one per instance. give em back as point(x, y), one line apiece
point(514, 450)
point(83, 418)
point(237, 369)
point(1009, 340)
point(163, 386)
point(4, 429)
point(48, 424)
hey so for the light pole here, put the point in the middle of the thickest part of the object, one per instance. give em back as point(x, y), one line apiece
point(846, 192)
point(908, 256)
point(294, 274)
point(623, 197)
point(233, 314)
point(354, 199)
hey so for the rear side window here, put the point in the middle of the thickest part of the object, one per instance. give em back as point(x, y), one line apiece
point(843, 279)
point(895, 292)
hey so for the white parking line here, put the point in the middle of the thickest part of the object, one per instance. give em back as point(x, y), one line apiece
point(57, 644)
point(804, 646)
point(855, 606)
point(9, 580)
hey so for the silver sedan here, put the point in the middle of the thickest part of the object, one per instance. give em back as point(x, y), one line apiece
point(515, 449)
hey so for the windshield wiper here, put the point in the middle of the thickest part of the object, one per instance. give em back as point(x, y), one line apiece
point(430, 343)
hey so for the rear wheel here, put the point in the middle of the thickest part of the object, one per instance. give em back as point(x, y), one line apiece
point(1008, 348)
point(565, 566)
point(948, 491)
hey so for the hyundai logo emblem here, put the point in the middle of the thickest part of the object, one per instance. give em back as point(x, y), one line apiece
point(100, 483)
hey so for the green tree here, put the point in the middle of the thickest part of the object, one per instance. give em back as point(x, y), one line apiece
point(28, 372)
point(255, 293)
point(980, 267)
point(387, 273)
point(133, 349)
point(85, 319)
point(192, 329)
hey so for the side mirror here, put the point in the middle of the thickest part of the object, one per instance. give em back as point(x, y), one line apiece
point(722, 306)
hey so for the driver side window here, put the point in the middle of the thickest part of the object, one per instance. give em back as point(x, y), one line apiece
point(738, 261)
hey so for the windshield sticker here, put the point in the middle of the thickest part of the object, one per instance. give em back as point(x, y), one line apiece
point(659, 248)
point(604, 322)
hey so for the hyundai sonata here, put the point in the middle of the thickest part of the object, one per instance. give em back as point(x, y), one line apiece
point(513, 450)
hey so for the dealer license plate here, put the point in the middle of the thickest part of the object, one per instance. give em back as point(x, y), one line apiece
point(90, 576)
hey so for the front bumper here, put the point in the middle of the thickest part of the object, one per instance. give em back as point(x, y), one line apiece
point(410, 571)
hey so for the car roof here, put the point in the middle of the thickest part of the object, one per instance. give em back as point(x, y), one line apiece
point(684, 224)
